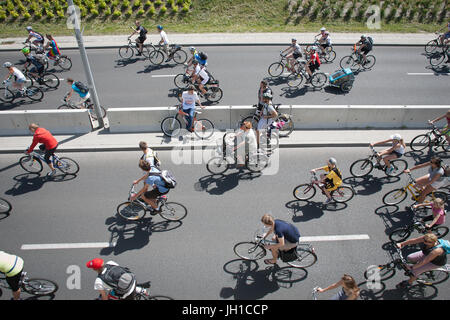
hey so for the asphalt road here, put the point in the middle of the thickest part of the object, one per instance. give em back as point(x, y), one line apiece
point(194, 259)
point(401, 76)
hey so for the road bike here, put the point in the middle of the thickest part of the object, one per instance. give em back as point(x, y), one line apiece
point(88, 104)
point(176, 53)
point(396, 196)
point(386, 271)
point(362, 167)
point(295, 79)
point(432, 139)
point(171, 126)
point(329, 54)
point(303, 255)
point(127, 51)
point(355, 61)
point(213, 92)
point(285, 130)
point(255, 162)
point(434, 44)
point(5, 206)
point(138, 208)
point(306, 191)
point(438, 56)
point(47, 79)
point(9, 94)
point(36, 287)
point(33, 163)
point(401, 234)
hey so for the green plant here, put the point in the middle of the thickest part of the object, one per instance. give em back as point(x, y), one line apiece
point(129, 13)
point(117, 14)
point(107, 12)
point(151, 11)
point(140, 12)
point(125, 4)
point(94, 12)
point(162, 10)
point(137, 4)
point(158, 3)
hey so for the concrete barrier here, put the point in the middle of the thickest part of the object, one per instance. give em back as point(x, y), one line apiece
point(15, 123)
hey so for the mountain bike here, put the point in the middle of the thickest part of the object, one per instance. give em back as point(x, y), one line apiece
point(36, 287)
point(33, 163)
point(306, 191)
point(295, 79)
point(5, 206)
point(388, 270)
point(438, 56)
point(9, 94)
point(396, 196)
point(88, 104)
point(363, 167)
point(171, 126)
point(213, 92)
point(401, 234)
point(303, 255)
point(432, 138)
point(329, 54)
point(176, 53)
point(47, 79)
point(355, 61)
point(285, 130)
point(137, 209)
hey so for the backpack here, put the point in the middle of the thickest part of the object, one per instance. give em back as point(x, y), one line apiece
point(143, 30)
point(82, 87)
point(444, 244)
point(203, 55)
point(168, 178)
point(370, 40)
point(119, 278)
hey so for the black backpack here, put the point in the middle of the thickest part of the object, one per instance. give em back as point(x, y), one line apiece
point(82, 87)
point(203, 55)
point(119, 278)
point(143, 30)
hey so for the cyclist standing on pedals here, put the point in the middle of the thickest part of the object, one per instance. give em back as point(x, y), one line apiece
point(285, 234)
point(54, 52)
point(19, 77)
point(365, 46)
point(294, 51)
point(80, 89)
point(49, 143)
point(431, 256)
point(330, 181)
point(349, 289)
point(39, 41)
point(200, 76)
point(268, 116)
point(164, 42)
point(142, 37)
point(395, 152)
point(313, 63)
point(438, 210)
point(201, 57)
point(12, 266)
point(37, 62)
point(189, 99)
point(446, 130)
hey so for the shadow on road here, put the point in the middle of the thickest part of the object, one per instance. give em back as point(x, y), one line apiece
point(29, 182)
point(369, 185)
point(218, 184)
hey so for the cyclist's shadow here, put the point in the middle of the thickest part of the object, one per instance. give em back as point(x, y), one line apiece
point(218, 184)
point(393, 218)
point(120, 63)
point(29, 182)
point(369, 184)
point(303, 211)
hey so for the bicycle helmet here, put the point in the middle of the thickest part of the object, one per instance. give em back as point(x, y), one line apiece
point(267, 95)
point(363, 36)
point(293, 39)
point(26, 50)
point(332, 161)
point(29, 28)
point(326, 32)
point(159, 27)
point(396, 137)
point(195, 61)
point(192, 49)
point(323, 29)
point(7, 65)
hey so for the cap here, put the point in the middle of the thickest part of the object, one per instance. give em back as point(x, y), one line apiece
point(159, 27)
point(95, 264)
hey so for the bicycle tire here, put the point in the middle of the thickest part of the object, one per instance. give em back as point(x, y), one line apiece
point(64, 62)
point(399, 166)
point(159, 297)
point(287, 129)
point(346, 86)
point(181, 81)
point(203, 128)
point(180, 56)
point(65, 107)
point(253, 120)
point(92, 112)
point(347, 62)
point(40, 287)
point(385, 272)
point(436, 194)
point(343, 194)
point(257, 163)
point(31, 164)
point(276, 69)
point(217, 165)
point(436, 58)
point(171, 127)
point(431, 46)
point(29, 81)
point(433, 277)
point(214, 94)
point(131, 210)
point(318, 80)
point(34, 93)
point(294, 80)
point(156, 57)
point(67, 166)
point(306, 258)
point(440, 231)
point(304, 191)
point(173, 211)
point(420, 142)
point(145, 51)
point(6, 95)
point(370, 62)
point(394, 197)
point(399, 235)
point(361, 168)
point(126, 52)
point(249, 250)
point(445, 146)
point(50, 80)
point(5, 206)
point(330, 56)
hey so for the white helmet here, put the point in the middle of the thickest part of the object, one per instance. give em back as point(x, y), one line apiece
point(323, 29)
point(29, 28)
point(7, 65)
point(396, 137)
point(192, 49)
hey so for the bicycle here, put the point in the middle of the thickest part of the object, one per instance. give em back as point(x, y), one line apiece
point(401, 234)
point(276, 69)
point(295, 79)
point(171, 126)
point(218, 165)
point(362, 167)
point(8, 94)
point(396, 196)
point(141, 292)
point(62, 61)
point(432, 45)
point(284, 131)
point(88, 104)
point(306, 191)
point(432, 138)
point(355, 61)
point(47, 79)
point(437, 57)
point(329, 54)
point(33, 163)
point(213, 92)
point(138, 208)
point(176, 53)
point(129, 50)
point(5, 206)
point(388, 270)
point(36, 287)
point(304, 257)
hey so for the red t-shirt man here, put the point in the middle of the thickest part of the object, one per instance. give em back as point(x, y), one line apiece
point(42, 135)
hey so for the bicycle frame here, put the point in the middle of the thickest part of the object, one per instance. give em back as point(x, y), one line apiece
point(40, 156)
point(133, 192)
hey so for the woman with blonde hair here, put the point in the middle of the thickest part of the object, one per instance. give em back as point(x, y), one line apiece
point(437, 208)
point(349, 289)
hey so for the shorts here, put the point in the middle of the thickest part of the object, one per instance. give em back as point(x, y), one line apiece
point(204, 81)
point(263, 123)
point(48, 154)
point(20, 80)
point(366, 50)
point(325, 45)
point(38, 70)
point(288, 245)
point(398, 154)
point(296, 55)
point(313, 67)
point(14, 282)
point(141, 39)
point(153, 194)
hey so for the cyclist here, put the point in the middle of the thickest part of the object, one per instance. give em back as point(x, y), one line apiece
point(81, 89)
point(313, 63)
point(106, 281)
point(153, 181)
point(285, 234)
point(438, 212)
point(268, 115)
point(330, 181)
point(201, 57)
point(149, 156)
point(37, 62)
point(395, 152)
point(200, 76)
point(438, 176)
point(164, 42)
point(39, 41)
point(142, 37)
point(430, 257)
point(189, 99)
point(294, 51)
point(325, 42)
point(263, 88)
point(446, 130)
point(42, 135)
point(349, 290)
point(54, 52)
point(365, 46)
point(19, 77)
point(12, 266)
point(246, 138)
point(321, 33)
point(446, 36)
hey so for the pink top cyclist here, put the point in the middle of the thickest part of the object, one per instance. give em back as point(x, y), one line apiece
point(437, 208)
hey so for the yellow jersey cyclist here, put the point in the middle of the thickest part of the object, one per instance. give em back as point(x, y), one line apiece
point(12, 266)
point(330, 181)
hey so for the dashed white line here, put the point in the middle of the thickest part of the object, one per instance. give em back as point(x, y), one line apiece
point(56, 246)
point(335, 238)
point(163, 75)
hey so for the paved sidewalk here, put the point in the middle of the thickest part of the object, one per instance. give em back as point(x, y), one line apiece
point(101, 140)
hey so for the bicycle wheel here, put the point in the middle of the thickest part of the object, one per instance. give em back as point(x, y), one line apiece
point(276, 69)
point(64, 107)
point(31, 164)
point(440, 231)
point(6, 95)
point(34, 93)
point(294, 80)
point(305, 258)
point(346, 86)
point(156, 57)
point(445, 146)
point(181, 81)
point(431, 46)
point(420, 142)
point(39, 287)
point(347, 62)
point(318, 80)
point(399, 166)
point(159, 298)
point(384, 272)
point(436, 194)
point(249, 250)
point(217, 165)
point(399, 235)
point(64, 62)
point(5, 206)
point(67, 165)
point(50, 80)
point(286, 129)
point(361, 168)
point(173, 211)
point(92, 112)
point(304, 191)
point(180, 56)
point(433, 277)
point(370, 62)
point(342, 194)
point(436, 58)
point(257, 162)
point(330, 55)
point(126, 52)
point(394, 197)
point(131, 210)
point(171, 126)
point(203, 128)
point(214, 94)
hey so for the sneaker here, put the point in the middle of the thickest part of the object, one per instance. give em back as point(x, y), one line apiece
point(403, 285)
point(328, 200)
point(52, 173)
point(389, 170)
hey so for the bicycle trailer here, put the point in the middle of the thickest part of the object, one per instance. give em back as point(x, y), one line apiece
point(342, 79)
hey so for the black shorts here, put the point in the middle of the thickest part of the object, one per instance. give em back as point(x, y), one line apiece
point(48, 153)
point(153, 194)
point(296, 55)
point(398, 154)
point(325, 45)
point(366, 50)
point(313, 67)
point(141, 39)
point(14, 281)
point(38, 70)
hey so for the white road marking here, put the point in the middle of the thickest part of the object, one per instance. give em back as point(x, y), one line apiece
point(55, 246)
point(335, 238)
point(427, 73)
point(163, 75)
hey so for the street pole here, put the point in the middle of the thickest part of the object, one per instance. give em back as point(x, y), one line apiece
point(74, 22)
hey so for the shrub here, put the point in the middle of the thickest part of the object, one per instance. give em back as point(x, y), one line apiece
point(185, 8)
point(117, 14)
point(163, 10)
point(14, 14)
point(26, 16)
point(94, 12)
point(147, 4)
point(125, 4)
point(102, 5)
point(151, 11)
point(158, 3)
point(129, 13)
point(140, 12)
point(174, 9)
point(137, 4)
